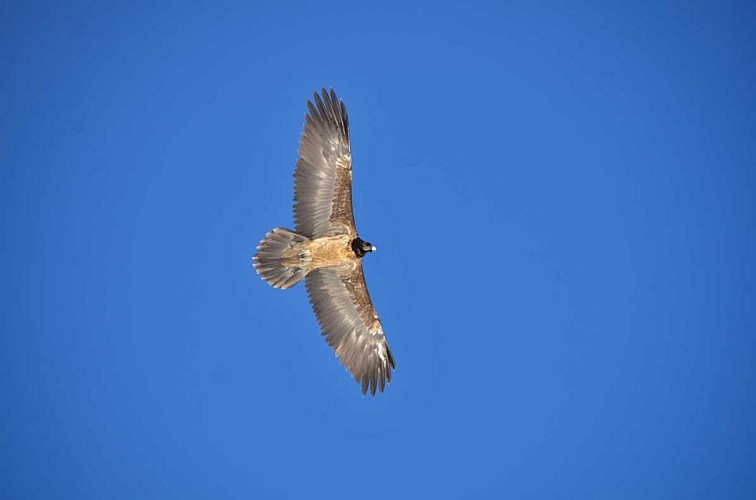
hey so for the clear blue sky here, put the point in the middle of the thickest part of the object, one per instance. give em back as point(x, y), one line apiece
point(564, 204)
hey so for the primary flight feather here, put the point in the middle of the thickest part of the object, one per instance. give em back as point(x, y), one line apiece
point(326, 250)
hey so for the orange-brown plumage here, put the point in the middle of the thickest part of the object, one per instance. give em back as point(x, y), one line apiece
point(326, 250)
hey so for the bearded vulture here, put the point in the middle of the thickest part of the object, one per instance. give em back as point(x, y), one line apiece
point(325, 249)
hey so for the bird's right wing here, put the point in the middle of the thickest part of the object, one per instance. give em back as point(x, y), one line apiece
point(341, 302)
point(323, 177)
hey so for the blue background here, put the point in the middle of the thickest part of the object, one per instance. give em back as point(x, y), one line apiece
point(562, 198)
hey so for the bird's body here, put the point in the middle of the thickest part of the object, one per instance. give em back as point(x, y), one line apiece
point(326, 250)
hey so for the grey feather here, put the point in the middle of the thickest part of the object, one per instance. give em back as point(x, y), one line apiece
point(268, 261)
point(347, 318)
point(322, 185)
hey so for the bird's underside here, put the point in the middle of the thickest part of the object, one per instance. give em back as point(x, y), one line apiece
point(325, 249)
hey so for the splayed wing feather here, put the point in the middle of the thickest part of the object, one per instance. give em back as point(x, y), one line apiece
point(341, 302)
point(323, 180)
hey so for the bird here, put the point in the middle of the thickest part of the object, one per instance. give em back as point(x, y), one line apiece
point(325, 249)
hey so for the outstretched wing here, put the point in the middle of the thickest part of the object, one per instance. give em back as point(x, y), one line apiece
point(350, 325)
point(323, 177)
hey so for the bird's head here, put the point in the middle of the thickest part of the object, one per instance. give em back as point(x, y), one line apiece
point(362, 247)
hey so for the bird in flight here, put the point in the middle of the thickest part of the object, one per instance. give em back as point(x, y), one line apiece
point(325, 249)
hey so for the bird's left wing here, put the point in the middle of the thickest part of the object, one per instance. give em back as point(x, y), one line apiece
point(341, 302)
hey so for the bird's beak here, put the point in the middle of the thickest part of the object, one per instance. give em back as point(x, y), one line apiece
point(372, 248)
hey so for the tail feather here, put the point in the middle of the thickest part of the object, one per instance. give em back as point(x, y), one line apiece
point(269, 259)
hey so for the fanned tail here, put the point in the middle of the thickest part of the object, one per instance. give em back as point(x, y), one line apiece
point(269, 259)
